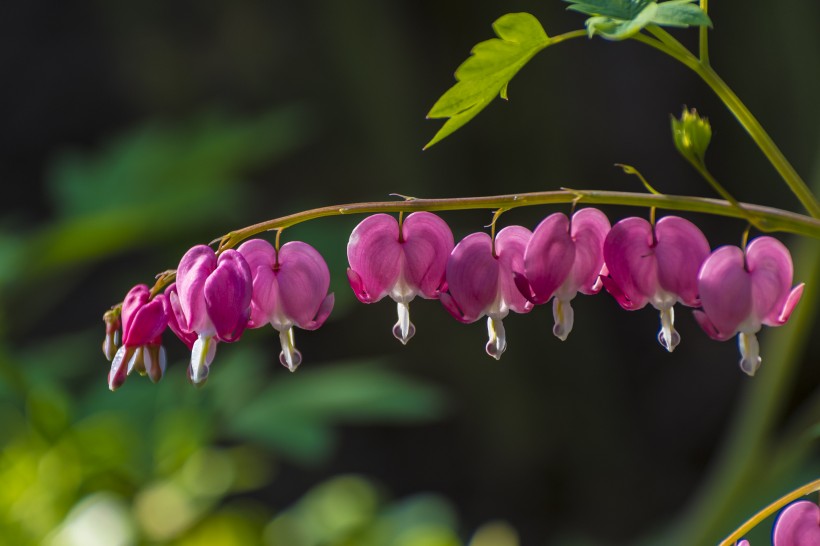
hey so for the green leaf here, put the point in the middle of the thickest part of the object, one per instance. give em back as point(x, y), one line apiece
point(681, 13)
point(616, 9)
point(620, 19)
point(488, 71)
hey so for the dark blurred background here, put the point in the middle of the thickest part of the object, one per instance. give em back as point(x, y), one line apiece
point(134, 130)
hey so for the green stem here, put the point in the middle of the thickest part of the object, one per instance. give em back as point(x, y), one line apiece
point(747, 120)
point(703, 42)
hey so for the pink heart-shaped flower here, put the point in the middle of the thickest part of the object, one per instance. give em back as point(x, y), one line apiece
point(798, 525)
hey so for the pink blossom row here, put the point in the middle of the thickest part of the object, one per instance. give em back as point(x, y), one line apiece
point(216, 297)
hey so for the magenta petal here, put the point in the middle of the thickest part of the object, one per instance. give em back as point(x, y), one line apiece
point(134, 300)
point(798, 525)
point(770, 265)
point(631, 261)
point(472, 277)
point(321, 315)
point(143, 320)
point(615, 291)
point(510, 246)
point(681, 250)
point(549, 257)
point(357, 284)
point(374, 253)
point(788, 307)
point(148, 324)
point(228, 295)
point(193, 271)
point(524, 287)
point(725, 289)
point(174, 314)
point(303, 282)
point(428, 243)
point(588, 230)
point(452, 307)
point(265, 300)
point(260, 256)
point(258, 253)
point(707, 326)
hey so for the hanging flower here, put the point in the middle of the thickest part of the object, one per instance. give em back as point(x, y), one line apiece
point(655, 264)
point(143, 320)
point(211, 299)
point(480, 281)
point(562, 258)
point(400, 261)
point(742, 292)
point(798, 525)
point(289, 289)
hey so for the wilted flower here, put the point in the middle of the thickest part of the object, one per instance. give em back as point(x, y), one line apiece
point(480, 281)
point(655, 264)
point(400, 261)
point(212, 300)
point(289, 289)
point(562, 258)
point(741, 292)
point(143, 320)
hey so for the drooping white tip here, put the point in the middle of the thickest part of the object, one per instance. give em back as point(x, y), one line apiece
point(403, 330)
point(749, 352)
point(668, 337)
point(202, 355)
point(498, 338)
point(290, 357)
point(564, 317)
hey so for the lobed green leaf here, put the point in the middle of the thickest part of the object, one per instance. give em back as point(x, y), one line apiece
point(488, 71)
point(620, 19)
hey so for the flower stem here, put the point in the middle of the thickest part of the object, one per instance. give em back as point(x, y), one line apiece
point(703, 41)
point(770, 219)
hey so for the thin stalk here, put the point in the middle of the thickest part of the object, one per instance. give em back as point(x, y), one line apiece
point(703, 37)
point(769, 218)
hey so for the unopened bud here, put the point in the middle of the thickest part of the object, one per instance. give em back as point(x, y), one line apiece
point(112, 333)
point(692, 135)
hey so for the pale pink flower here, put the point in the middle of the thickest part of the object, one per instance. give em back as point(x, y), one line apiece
point(399, 261)
point(655, 264)
point(562, 258)
point(480, 281)
point(289, 289)
point(741, 292)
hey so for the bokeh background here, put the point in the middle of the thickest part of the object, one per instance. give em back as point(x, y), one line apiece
point(134, 130)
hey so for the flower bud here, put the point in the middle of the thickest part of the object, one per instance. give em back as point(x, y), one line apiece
point(692, 135)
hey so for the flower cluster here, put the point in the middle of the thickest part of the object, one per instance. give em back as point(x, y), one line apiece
point(217, 296)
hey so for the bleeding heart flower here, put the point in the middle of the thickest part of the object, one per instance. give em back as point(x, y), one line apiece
point(401, 261)
point(655, 264)
point(289, 289)
point(143, 320)
point(212, 299)
point(742, 292)
point(798, 525)
point(480, 281)
point(562, 258)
